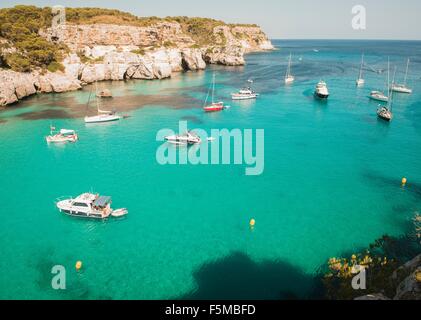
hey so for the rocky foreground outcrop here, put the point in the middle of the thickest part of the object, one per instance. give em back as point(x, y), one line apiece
point(101, 52)
point(407, 283)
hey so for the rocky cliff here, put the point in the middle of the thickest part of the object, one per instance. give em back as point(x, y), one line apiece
point(100, 52)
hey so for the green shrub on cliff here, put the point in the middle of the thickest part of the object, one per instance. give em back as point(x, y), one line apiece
point(20, 26)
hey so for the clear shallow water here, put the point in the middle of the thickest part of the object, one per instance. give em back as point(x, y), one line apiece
point(331, 182)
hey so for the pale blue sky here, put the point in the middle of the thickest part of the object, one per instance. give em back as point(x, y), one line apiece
point(280, 19)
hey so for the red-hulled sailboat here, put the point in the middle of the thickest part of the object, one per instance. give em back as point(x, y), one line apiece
point(214, 106)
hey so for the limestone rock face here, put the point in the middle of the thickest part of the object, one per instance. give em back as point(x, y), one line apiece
point(101, 52)
point(15, 86)
point(192, 59)
point(229, 56)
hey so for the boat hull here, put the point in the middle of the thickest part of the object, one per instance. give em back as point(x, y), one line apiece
point(100, 119)
point(244, 97)
point(52, 139)
point(379, 98)
point(322, 96)
point(214, 107)
point(401, 89)
point(384, 115)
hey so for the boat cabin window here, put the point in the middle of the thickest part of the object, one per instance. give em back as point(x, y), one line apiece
point(80, 204)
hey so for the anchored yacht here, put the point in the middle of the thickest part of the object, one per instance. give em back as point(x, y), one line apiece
point(62, 136)
point(289, 78)
point(188, 138)
point(103, 115)
point(244, 94)
point(402, 88)
point(89, 205)
point(322, 91)
point(214, 106)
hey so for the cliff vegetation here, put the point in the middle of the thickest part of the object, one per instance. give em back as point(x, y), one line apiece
point(23, 49)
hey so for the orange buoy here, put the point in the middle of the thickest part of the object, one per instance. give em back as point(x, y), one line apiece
point(252, 223)
point(404, 181)
point(78, 265)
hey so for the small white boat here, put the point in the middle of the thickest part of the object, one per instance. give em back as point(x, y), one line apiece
point(360, 81)
point(89, 205)
point(62, 136)
point(289, 78)
point(188, 138)
point(322, 92)
point(119, 213)
point(402, 88)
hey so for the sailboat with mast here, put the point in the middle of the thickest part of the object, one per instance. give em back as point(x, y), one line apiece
point(385, 112)
point(102, 115)
point(402, 88)
point(214, 106)
point(289, 78)
point(360, 81)
point(378, 95)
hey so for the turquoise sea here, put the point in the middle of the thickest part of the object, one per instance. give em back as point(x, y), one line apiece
point(331, 182)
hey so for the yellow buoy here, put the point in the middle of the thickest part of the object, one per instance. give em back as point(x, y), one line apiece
point(78, 265)
point(404, 181)
point(252, 222)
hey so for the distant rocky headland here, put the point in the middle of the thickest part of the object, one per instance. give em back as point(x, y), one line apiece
point(101, 44)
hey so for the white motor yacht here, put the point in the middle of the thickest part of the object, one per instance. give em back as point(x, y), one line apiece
point(188, 138)
point(89, 205)
point(244, 94)
point(62, 136)
point(322, 91)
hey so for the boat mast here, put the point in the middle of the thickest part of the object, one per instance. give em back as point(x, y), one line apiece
point(390, 102)
point(289, 66)
point(213, 88)
point(388, 86)
point(406, 73)
point(361, 68)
